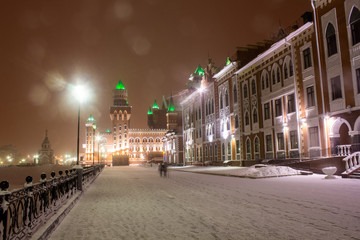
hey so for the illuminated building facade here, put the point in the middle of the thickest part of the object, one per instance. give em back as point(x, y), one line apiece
point(46, 153)
point(122, 145)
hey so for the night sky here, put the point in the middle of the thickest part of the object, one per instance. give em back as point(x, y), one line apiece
point(152, 46)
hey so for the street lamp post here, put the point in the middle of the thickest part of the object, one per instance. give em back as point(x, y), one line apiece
point(78, 133)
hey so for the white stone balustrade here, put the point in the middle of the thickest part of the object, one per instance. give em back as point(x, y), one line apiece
point(352, 162)
point(344, 150)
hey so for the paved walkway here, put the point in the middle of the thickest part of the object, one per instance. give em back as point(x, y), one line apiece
point(135, 203)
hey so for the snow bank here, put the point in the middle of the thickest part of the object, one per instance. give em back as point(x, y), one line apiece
point(256, 171)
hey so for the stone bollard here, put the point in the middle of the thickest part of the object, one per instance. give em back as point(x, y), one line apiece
point(79, 171)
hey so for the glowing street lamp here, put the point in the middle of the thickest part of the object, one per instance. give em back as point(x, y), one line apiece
point(80, 92)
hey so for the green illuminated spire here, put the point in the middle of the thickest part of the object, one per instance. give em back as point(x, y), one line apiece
point(91, 119)
point(228, 61)
point(155, 105)
point(107, 130)
point(171, 107)
point(164, 105)
point(120, 85)
point(199, 71)
point(150, 112)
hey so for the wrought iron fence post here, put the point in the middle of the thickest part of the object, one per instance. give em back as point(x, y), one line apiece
point(4, 197)
point(79, 172)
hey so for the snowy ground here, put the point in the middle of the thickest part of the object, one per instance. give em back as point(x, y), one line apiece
point(135, 203)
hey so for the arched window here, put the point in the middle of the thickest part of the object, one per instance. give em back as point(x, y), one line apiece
point(355, 25)
point(273, 77)
point(262, 82)
point(151, 140)
point(256, 145)
point(226, 98)
point(235, 93)
point(221, 101)
point(144, 140)
point(291, 69)
point(247, 120)
point(286, 75)
point(255, 116)
point(253, 87)
point(267, 80)
point(278, 75)
point(236, 121)
point(228, 125)
point(248, 146)
point(331, 40)
point(245, 91)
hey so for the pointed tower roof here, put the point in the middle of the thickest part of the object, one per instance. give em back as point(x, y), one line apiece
point(171, 107)
point(228, 61)
point(199, 70)
point(107, 130)
point(164, 105)
point(91, 119)
point(120, 85)
point(150, 112)
point(155, 105)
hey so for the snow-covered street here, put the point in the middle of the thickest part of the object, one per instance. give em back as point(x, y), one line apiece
point(135, 203)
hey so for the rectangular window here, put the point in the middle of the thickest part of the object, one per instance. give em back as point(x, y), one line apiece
point(280, 141)
point(358, 80)
point(307, 58)
point(336, 88)
point(310, 95)
point(268, 143)
point(293, 140)
point(314, 137)
point(291, 103)
point(278, 108)
point(267, 111)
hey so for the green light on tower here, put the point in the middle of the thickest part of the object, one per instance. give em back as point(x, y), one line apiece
point(155, 105)
point(200, 71)
point(150, 112)
point(120, 85)
point(228, 61)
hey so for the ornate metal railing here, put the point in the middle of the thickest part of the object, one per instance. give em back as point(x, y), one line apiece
point(24, 210)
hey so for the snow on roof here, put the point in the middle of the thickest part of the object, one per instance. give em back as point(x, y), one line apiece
point(225, 69)
point(275, 46)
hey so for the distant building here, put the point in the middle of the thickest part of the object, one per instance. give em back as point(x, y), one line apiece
point(123, 145)
point(46, 153)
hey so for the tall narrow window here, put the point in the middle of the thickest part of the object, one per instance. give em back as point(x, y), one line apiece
point(291, 103)
point(248, 146)
point(247, 120)
point(293, 140)
point(336, 88)
point(267, 80)
point(280, 141)
point(355, 25)
point(291, 68)
point(262, 83)
point(226, 98)
point(268, 143)
point(310, 96)
point(237, 146)
point(314, 137)
point(278, 75)
point(273, 77)
point(206, 109)
point(236, 121)
point(235, 94)
point(358, 80)
point(245, 91)
point(278, 108)
point(331, 40)
point(212, 106)
point(286, 75)
point(255, 116)
point(307, 58)
point(256, 145)
point(253, 87)
point(221, 101)
point(267, 111)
